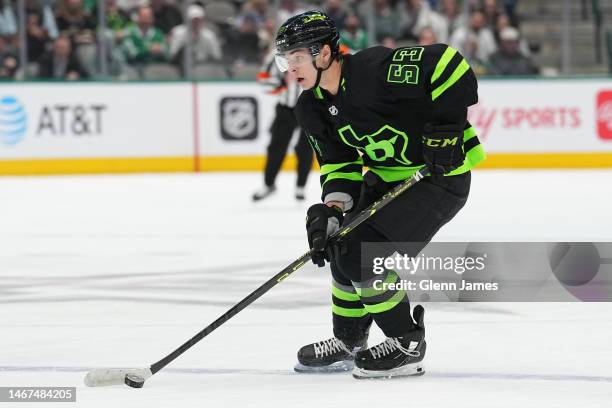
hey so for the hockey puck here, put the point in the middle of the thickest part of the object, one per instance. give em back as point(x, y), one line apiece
point(134, 381)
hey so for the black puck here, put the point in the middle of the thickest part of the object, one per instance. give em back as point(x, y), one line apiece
point(134, 381)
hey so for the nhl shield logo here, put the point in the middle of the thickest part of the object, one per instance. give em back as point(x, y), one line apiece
point(239, 118)
point(333, 110)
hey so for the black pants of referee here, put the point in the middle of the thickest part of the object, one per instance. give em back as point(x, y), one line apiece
point(413, 217)
point(281, 132)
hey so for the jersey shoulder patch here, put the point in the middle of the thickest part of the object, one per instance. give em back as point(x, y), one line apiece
point(405, 66)
point(413, 65)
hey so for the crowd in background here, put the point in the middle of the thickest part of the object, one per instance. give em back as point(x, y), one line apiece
point(148, 38)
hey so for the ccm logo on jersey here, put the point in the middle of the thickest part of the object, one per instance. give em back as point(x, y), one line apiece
point(440, 142)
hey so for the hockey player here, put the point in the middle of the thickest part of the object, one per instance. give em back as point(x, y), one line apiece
point(281, 132)
point(392, 111)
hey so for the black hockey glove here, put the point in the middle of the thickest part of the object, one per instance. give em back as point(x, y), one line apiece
point(443, 148)
point(321, 222)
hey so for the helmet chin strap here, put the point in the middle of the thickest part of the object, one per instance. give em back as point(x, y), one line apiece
point(320, 71)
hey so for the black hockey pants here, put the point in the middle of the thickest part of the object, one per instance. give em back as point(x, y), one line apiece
point(415, 217)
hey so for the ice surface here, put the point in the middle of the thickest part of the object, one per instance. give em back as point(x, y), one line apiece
point(117, 271)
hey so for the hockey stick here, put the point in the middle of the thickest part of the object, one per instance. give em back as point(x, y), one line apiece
point(135, 377)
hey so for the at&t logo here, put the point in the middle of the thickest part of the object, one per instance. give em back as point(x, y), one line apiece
point(13, 121)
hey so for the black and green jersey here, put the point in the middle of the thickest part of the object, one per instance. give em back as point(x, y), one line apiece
point(377, 117)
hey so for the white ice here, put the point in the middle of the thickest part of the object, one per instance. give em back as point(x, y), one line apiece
point(117, 271)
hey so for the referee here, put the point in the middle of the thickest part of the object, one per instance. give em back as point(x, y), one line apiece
point(282, 130)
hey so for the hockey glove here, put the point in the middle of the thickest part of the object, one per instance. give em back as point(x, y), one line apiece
point(321, 222)
point(443, 147)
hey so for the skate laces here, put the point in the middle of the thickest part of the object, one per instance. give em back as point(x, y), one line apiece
point(392, 344)
point(328, 347)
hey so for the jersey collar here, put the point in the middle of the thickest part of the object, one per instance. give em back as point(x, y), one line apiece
point(320, 93)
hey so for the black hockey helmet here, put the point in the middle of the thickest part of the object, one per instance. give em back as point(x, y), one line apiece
point(308, 30)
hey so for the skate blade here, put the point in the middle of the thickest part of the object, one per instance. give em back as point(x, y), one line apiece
point(410, 370)
point(256, 197)
point(337, 367)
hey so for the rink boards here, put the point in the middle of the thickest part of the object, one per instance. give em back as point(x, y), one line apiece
point(58, 128)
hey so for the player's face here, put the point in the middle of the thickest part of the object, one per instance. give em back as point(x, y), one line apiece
point(299, 65)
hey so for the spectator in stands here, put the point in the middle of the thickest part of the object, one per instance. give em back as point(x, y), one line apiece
point(75, 23)
point(31, 6)
point(334, 9)
point(243, 44)
point(386, 21)
point(37, 37)
point(416, 15)
point(353, 36)
point(473, 5)
point(166, 15)
point(117, 20)
point(79, 26)
point(491, 11)
point(256, 9)
point(144, 43)
point(362, 8)
point(47, 15)
point(266, 34)
point(8, 60)
point(8, 20)
point(61, 63)
point(510, 9)
point(129, 5)
point(205, 46)
point(288, 8)
point(265, 29)
point(452, 15)
point(479, 66)
point(502, 22)
point(509, 60)
point(427, 37)
point(486, 42)
point(90, 6)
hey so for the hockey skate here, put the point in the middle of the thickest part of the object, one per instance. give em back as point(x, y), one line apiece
point(264, 192)
point(396, 356)
point(300, 194)
point(327, 356)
